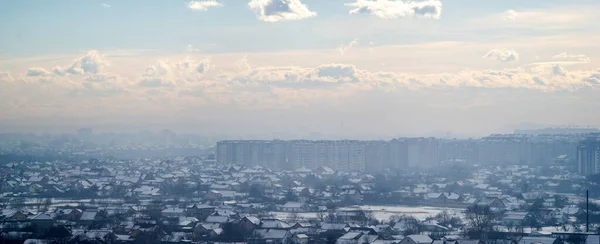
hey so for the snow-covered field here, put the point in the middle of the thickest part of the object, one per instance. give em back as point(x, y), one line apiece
point(383, 213)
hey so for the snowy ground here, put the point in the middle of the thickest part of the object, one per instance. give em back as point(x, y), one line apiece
point(383, 213)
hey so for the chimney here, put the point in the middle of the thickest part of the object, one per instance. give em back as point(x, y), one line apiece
point(587, 210)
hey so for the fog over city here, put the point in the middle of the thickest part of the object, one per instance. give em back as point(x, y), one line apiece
point(300, 121)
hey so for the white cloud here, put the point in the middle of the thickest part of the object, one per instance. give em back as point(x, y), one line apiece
point(559, 70)
point(170, 74)
point(594, 78)
point(92, 62)
point(278, 10)
point(191, 49)
point(242, 64)
point(337, 72)
point(203, 5)
point(104, 5)
point(391, 9)
point(567, 18)
point(504, 55)
point(510, 15)
point(5, 76)
point(346, 47)
point(190, 65)
point(33, 72)
point(575, 58)
point(564, 59)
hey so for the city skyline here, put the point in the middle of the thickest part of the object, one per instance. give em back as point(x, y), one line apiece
point(338, 67)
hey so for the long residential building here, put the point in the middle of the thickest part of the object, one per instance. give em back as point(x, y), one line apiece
point(350, 155)
point(403, 153)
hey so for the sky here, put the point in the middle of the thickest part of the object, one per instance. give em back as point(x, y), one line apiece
point(343, 68)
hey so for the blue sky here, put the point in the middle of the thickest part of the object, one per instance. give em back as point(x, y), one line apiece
point(72, 25)
point(116, 64)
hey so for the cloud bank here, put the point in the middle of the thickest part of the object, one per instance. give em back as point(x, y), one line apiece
point(195, 86)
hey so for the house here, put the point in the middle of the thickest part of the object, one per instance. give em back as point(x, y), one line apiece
point(91, 236)
point(405, 224)
point(214, 233)
point(173, 212)
point(442, 198)
point(200, 211)
point(434, 227)
point(351, 196)
point(514, 218)
point(533, 196)
point(249, 223)
point(186, 224)
point(202, 229)
point(71, 214)
point(274, 236)
point(212, 195)
point(175, 237)
point(88, 217)
point(294, 207)
point(274, 224)
point(350, 238)
point(123, 239)
point(493, 202)
point(464, 241)
point(300, 239)
point(571, 210)
point(42, 221)
point(498, 241)
point(262, 181)
point(416, 239)
point(337, 227)
point(12, 215)
point(539, 240)
point(217, 219)
point(324, 170)
point(38, 241)
point(352, 216)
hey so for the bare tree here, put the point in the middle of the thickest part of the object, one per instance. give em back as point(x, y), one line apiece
point(321, 216)
point(331, 215)
point(370, 217)
point(444, 218)
point(47, 203)
point(480, 220)
point(293, 216)
point(39, 203)
point(409, 225)
point(17, 202)
point(510, 226)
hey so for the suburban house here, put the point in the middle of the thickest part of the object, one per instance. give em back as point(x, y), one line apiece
point(417, 239)
point(294, 207)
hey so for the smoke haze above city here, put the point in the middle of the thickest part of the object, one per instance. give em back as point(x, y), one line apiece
point(358, 69)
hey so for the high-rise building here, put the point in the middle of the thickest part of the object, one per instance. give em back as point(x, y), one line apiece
point(265, 153)
point(346, 155)
point(377, 156)
point(588, 156)
point(504, 150)
point(398, 153)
